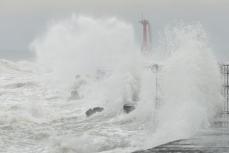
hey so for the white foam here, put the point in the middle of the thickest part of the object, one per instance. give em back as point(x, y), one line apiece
point(112, 72)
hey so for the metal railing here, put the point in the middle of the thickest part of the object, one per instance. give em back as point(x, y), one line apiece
point(225, 93)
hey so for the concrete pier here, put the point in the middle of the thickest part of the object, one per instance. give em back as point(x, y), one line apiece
point(209, 141)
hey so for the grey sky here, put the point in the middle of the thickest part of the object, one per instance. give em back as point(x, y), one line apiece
point(22, 20)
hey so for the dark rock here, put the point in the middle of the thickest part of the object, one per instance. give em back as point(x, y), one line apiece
point(74, 95)
point(93, 111)
point(98, 109)
point(128, 108)
point(89, 112)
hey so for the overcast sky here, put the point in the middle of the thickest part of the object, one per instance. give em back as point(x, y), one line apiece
point(22, 20)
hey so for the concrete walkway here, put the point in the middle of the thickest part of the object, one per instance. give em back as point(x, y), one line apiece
point(208, 141)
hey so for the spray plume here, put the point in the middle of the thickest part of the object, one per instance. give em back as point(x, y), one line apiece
point(189, 77)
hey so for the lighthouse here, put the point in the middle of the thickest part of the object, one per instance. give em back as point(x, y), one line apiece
point(146, 38)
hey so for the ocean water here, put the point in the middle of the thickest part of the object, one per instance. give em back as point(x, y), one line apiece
point(84, 62)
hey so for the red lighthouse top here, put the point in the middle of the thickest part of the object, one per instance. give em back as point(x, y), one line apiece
point(146, 42)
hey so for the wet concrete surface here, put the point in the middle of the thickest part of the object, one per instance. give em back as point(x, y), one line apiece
point(209, 141)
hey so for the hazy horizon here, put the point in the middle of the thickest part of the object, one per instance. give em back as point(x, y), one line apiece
point(21, 22)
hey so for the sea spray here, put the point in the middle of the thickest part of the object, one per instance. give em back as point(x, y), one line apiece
point(87, 47)
point(190, 85)
point(189, 80)
point(82, 45)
